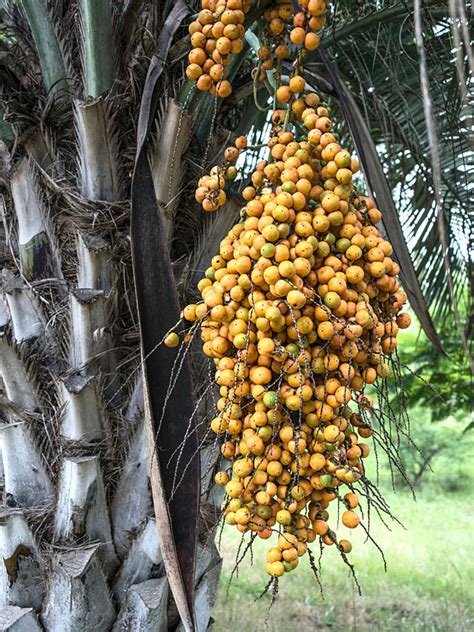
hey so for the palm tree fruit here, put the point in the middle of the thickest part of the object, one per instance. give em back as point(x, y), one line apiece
point(286, 26)
point(210, 190)
point(300, 314)
point(216, 35)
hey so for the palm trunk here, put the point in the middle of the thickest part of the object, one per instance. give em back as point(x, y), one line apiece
point(78, 539)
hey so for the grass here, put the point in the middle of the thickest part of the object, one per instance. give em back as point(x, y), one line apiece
point(428, 587)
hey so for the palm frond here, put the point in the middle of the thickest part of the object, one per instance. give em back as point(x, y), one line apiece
point(435, 160)
point(98, 46)
point(52, 63)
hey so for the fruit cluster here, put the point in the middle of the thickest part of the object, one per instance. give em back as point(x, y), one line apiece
point(300, 311)
point(216, 35)
point(284, 27)
point(210, 191)
point(306, 23)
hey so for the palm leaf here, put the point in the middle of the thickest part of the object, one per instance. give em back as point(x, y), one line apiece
point(98, 46)
point(434, 151)
point(49, 53)
point(168, 412)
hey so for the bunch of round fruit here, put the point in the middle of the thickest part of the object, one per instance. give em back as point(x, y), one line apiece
point(300, 312)
point(210, 192)
point(216, 35)
point(285, 27)
point(307, 22)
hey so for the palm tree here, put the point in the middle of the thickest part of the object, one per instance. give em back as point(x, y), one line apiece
point(79, 542)
point(102, 141)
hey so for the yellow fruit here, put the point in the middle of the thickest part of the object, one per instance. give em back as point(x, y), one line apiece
point(172, 340)
point(300, 308)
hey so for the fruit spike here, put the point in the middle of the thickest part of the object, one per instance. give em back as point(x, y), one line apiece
point(218, 33)
point(210, 192)
point(300, 309)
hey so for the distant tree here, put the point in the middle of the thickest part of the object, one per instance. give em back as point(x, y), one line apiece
point(437, 394)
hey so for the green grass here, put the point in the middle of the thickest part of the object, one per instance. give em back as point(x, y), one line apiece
point(429, 585)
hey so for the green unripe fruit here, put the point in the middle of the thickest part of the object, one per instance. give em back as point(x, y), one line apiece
point(211, 274)
point(343, 191)
point(241, 341)
point(343, 244)
point(318, 366)
point(326, 480)
point(270, 399)
point(263, 511)
point(297, 492)
point(330, 184)
point(323, 249)
point(231, 173)
point(288, 187)
point(267, 251)
point(336, 218)
point(302, 155)
point(235, 504)
point(332, 300)
point(265, 433)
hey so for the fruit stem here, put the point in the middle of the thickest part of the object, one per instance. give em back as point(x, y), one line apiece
point(255, 82)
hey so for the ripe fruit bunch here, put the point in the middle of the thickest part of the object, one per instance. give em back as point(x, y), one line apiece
point(300, 311)
point(307, 22)
point(275, 35)
point(210, 191)
point(216, 34)
point(285, 27)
